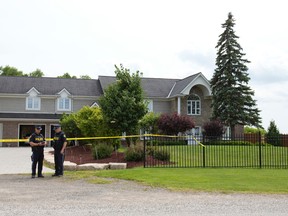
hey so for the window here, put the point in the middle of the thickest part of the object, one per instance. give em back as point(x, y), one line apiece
point(193, 105)
point(150, 105)
point(32, 103)
point(64, 103)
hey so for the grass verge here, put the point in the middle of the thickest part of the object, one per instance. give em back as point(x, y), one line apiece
point(271, 181)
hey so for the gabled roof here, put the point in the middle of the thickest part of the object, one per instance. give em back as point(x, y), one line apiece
point(161, 87)
point(181, 84)
point(153, 87)
point(50, 86)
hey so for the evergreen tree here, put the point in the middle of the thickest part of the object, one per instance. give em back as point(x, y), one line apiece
point(232, 100)
point(273, 134)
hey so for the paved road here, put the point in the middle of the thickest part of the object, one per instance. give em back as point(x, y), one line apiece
point(16, 160)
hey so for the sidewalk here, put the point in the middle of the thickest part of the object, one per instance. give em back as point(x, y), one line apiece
point(16, 160)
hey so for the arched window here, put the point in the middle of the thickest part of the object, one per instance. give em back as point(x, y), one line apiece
point(193, 105)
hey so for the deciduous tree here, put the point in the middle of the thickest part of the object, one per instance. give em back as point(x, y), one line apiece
point(123, 102)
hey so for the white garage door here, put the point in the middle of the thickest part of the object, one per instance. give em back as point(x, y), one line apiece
point(1, 133)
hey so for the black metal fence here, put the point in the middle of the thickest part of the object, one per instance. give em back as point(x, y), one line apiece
point(248, 151)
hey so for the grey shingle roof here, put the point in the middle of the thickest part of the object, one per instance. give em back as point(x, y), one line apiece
point(181, 84)
point(50, 86)
point(153, 87)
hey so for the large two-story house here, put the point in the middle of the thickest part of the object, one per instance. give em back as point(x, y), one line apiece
point(27, 101)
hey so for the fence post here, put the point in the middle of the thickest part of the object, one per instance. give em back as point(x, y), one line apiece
point(203, 156)
point(144, 151)
point(260, 150)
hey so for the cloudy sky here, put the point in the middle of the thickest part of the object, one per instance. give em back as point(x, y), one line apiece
point(161, 38)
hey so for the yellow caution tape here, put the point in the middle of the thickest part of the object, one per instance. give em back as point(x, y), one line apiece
point(109, 137)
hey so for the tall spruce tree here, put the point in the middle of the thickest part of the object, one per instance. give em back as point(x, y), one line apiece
point(232, 100)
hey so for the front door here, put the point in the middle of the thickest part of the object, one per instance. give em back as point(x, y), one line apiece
point(194, 135)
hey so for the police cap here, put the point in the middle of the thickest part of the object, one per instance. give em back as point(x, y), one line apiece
point(56, 126)
point(38, 127)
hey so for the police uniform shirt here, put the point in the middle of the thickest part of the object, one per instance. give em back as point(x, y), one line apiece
point(37, 138)
point(59, 140)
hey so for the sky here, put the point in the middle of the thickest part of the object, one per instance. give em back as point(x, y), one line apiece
point(160, 38)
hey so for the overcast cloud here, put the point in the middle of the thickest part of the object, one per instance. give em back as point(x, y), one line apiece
point(171, 39)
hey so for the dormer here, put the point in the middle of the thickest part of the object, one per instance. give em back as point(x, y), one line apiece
point(33, 101)
point(64, 100)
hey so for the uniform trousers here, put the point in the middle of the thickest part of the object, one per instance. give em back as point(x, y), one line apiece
point(37, 158)
point(59, 160)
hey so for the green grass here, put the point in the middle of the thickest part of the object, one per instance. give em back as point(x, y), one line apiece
point(200, 179)
point(225, 156)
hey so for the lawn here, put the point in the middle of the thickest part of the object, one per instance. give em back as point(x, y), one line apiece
point(224, 156)
point(271, 181)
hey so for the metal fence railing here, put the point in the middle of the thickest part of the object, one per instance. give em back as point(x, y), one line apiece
point(248, 151)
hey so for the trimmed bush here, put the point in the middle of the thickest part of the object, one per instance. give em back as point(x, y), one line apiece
point(229, 142)
point(166, 142)
point(102, 150)
point(135, 153)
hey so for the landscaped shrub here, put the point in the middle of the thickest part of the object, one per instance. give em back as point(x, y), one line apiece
point(229, 142)
point(102, 150)
point(273, 134)
point(135, 153)
point(213, 129)
point(174, 123)
point(161, 154)
point(166, 142)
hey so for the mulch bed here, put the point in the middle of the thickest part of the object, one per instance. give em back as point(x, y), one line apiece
point(82, 155)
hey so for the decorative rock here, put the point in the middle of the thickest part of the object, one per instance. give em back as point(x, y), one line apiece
point(93, 166)
point(114, 166)
point(69, 165)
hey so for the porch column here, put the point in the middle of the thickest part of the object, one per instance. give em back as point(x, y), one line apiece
point(179, 105)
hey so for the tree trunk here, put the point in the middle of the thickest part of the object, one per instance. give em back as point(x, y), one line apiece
point(232, 132)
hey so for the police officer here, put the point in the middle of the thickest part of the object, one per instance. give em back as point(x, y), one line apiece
point(59, 150)
point(37, 142)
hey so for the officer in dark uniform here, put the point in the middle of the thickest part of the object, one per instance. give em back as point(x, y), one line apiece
point(37, 142)
point(59, 146)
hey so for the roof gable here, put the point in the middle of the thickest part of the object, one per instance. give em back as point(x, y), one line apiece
point(33, 90)
point(183, 87)
point(64, 92)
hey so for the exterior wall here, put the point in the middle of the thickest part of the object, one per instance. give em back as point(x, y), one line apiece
point(206, 110)
point(12, 104)
point(161, 106)
point(11, 130)
point(48, 105)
